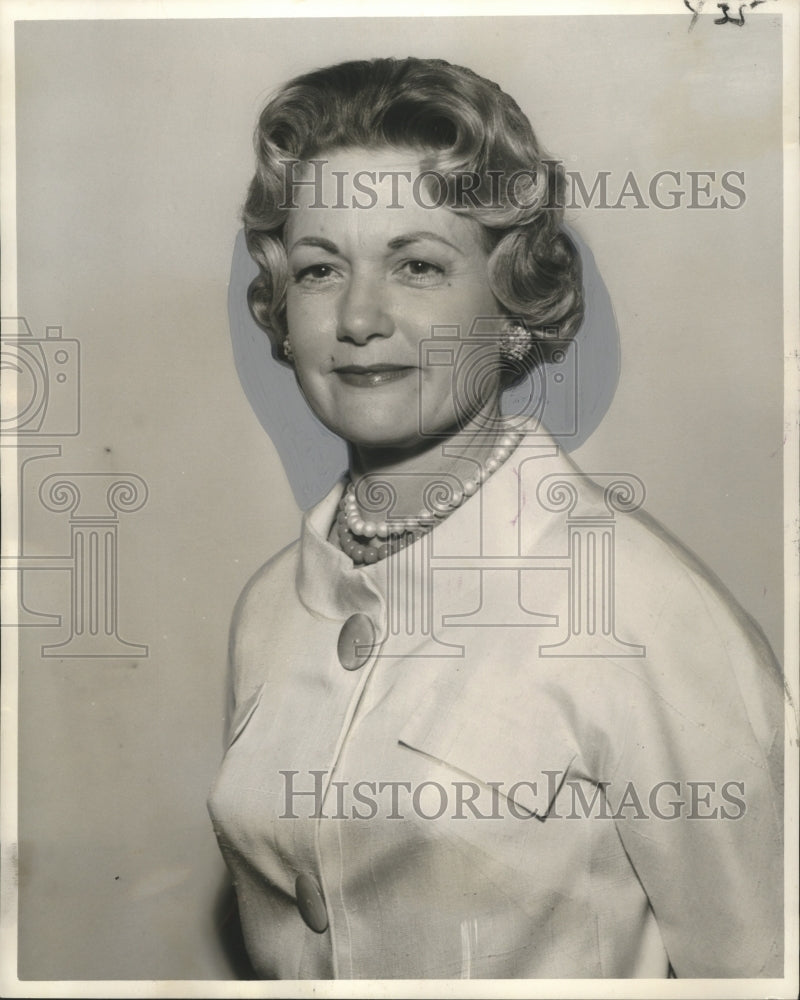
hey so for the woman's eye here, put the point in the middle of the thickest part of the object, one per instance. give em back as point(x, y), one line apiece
point(422, 271)
point(314, 274)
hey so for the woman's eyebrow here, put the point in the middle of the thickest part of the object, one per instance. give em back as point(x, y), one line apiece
point(399, 242)
point(315, 241)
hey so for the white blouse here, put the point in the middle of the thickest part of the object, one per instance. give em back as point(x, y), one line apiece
point(539, 742)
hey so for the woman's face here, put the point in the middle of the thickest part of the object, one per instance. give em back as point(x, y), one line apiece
point(366, 286)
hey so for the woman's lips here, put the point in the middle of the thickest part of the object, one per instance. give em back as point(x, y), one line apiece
point(375, 375)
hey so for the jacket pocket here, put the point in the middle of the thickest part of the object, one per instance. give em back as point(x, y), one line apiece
point(525, 763)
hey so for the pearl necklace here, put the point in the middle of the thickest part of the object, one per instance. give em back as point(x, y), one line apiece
point(379, 539)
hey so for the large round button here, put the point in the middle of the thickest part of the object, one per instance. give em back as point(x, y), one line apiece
point(310, 903)
point(355, 642)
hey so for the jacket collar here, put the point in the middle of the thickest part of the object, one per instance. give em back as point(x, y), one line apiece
point(328, 583)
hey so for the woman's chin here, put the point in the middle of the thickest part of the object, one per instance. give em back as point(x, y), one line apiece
point(397, 433)
point(385, 439)
point(373, 427)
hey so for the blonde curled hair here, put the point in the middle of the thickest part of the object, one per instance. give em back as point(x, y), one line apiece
point(465, 127)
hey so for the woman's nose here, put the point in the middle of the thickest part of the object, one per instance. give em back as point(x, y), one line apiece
point(363, 311)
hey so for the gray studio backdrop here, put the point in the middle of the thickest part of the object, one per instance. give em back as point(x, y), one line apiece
point(134, 152)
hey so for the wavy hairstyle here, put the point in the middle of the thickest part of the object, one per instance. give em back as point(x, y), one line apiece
point(464, 126)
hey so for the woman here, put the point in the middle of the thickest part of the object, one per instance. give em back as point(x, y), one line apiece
point(406, 794)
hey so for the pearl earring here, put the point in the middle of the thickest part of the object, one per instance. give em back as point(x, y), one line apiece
point(515, 344)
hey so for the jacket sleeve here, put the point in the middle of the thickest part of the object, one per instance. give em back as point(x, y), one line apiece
point(257, 614)
point(697, 791)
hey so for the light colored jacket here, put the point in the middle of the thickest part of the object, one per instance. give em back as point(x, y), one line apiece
point(559, 758)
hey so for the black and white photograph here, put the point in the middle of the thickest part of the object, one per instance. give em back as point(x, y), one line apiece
point(400, 499)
